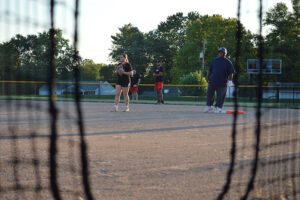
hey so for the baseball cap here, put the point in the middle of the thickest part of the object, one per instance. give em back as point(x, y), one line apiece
point(223, 49)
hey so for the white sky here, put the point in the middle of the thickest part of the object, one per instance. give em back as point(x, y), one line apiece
point(99, 19)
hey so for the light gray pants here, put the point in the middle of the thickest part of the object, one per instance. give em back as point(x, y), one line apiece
point(221, 94)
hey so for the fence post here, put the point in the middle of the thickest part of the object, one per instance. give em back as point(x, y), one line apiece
point(251, 89)
point(293, 95)
point(277, 94)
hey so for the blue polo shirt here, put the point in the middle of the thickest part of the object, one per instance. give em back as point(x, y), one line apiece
point(220, 69)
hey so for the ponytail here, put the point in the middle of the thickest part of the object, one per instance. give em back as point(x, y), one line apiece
point(126, 57)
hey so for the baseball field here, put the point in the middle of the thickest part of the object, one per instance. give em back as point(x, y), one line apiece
point(171, 152)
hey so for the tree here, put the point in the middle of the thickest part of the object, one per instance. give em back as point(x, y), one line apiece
point(282, 42)
point(8, 62)
point(27, 58)
point(168, 38)
point(107, 73)
point(217, 32)
point(193, 78)
point(132, 42)
point(89, 71)
point(144, 49)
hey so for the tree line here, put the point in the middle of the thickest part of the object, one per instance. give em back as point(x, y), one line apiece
point(176, 41)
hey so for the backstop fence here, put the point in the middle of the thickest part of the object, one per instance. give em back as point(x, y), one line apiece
point(273, 169)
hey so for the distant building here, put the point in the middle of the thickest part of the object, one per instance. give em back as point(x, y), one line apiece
point(85, 88)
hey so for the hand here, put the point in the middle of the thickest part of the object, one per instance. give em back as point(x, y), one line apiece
point(207, 79)
point(120, 71)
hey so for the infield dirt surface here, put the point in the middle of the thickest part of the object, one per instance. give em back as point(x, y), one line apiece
point(154, 152)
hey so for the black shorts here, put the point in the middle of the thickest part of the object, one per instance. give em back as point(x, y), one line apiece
point(123, 83)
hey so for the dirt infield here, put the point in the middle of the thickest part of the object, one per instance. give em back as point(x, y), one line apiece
point(153, 152)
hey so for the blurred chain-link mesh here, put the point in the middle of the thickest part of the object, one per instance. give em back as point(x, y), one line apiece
point(264, 163)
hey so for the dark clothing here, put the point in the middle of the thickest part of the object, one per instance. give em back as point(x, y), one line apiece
point(221, 94)
point(123, 79)
point(220, 69)
point(157, 71)
point(134, 79)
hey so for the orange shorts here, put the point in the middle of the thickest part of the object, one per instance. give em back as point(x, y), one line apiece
point(133, 89)
point(158, 86)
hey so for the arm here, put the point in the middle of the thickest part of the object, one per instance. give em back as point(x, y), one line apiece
point(157, 75)
point(161, 73)
point(208, 76)
point(209, 72)
point(128, 69)
point(231, 71)
point(229, 82)
point(127, 73)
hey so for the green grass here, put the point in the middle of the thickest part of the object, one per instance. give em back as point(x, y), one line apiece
point(186, 100)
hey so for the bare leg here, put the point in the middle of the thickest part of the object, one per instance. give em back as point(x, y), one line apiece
point(125, 94)
point(118, 94)
point(160, 95)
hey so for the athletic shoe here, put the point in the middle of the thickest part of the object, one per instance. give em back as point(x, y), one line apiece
point(158, 103)
point(218, 110)
point(126, 109)
point(208, 109)
point(115, 109)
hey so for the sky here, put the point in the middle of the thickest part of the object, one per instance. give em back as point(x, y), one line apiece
point(100, 19)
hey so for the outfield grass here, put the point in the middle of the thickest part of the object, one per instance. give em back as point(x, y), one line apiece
point(186, 100)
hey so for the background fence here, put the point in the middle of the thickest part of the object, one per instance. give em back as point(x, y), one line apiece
point(183, 94)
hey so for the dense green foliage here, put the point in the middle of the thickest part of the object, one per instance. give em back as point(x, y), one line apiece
point(217, 32)
point(193, 78)
point(89, 71)
point(283, 40)
point(27, 58)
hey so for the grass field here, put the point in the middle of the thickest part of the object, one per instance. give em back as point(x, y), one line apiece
point(188, 100)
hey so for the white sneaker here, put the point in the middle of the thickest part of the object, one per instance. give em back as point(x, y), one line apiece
point(218, 110)
point(126, 109)
point(208, 108)
point(115, 109)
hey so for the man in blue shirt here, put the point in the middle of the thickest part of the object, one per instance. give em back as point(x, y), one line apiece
point(219, 74)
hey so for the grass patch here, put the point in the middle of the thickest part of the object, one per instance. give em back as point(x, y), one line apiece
point(182, 100)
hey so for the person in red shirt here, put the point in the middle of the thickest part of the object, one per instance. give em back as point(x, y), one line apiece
point(159, 84)
point(135, 81)
point(123, 72)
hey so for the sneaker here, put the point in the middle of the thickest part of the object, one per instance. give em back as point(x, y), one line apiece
point(218, 110)
point(115, 109)
point(158, 103)
point(126, 109)
point(208, 109)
